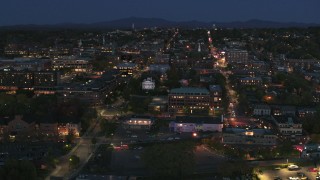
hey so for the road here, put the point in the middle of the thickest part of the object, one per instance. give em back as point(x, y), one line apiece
point(285, 174)
point(83, 150)
point(207, 161)
point(128, 162)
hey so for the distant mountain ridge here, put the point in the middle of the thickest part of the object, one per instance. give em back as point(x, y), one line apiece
point(139, 23)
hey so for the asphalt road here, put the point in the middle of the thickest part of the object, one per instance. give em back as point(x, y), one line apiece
point(285, 174)
point(83, 150)
point(128, 162)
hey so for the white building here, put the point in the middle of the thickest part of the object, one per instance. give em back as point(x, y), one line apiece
point(148, 84)
point(196, 124)
point(139, 122)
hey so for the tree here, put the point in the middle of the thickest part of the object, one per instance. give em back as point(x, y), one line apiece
point(94, 141)
point(234, 169)
point(74, 161)
point(20, 170)
point(70, 137)
point(87, 117)
point(170, 161)
point(172, 79)
point(108, 127)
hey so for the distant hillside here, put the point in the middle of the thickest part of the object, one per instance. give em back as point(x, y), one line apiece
point(139, 23)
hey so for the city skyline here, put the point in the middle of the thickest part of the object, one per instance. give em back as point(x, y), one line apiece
point(53, 12)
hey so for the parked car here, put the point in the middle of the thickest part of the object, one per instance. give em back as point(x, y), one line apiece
point(293, 167)
point(313, 169)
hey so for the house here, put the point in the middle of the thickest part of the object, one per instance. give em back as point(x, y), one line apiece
point(251, 81)
point(67, 126)
point(278, 110)
point(310, 151)
point(303, 112)
point(21, 125)
point(4, 125)
point(48, 126)
point(196, 124)
point(288, 125)
point(262, 110)
point(249, 136)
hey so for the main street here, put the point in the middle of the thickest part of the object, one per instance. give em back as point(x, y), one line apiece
point(83, 150)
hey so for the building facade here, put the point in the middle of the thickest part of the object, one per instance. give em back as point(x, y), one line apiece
point(148, 84)
point(216, 96)
point(184, 124)
point(249, 137)
point(288, 125)
point(189, 100)
point(262, 110)
point(237, 56)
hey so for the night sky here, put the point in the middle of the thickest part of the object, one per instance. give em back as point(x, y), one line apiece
point(89, 11)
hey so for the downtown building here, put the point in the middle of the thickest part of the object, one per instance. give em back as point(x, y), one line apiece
point(240, 136)
point(216, 97)
point(189, 100)
point(187, 124)
point(71, 62)
point(237, 57)
point(27, 80)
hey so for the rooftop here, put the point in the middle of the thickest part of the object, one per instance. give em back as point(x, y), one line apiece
point(262, 106)
point(286, 120)
point(215, 88)
point(243, 131)
point(198, 120)
point(252, 78)
point(127, 64)
point(190, 90)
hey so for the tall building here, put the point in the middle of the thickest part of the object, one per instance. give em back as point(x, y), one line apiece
point(216, 96)
point(16, 79)
point(189, 100)
point(162, 59)
point(76, 65)
point(237, 56)
point(10, 80)
point(127, 69)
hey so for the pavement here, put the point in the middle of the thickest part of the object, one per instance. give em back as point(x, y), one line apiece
point(285, 174)
point(83, 150)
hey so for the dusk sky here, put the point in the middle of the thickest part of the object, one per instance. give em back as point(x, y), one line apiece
point(14, 12)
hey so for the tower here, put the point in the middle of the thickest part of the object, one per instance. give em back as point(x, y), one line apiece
point(132, 26)
point(80, 43)
point(103, 41)
point(199, 47)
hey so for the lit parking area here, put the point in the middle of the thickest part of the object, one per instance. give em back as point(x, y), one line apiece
point(286, 174)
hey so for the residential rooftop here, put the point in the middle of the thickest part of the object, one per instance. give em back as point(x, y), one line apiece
point(190, 91)
point(198, 119)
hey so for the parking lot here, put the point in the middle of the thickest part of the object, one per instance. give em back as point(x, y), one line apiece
point(286, 174)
